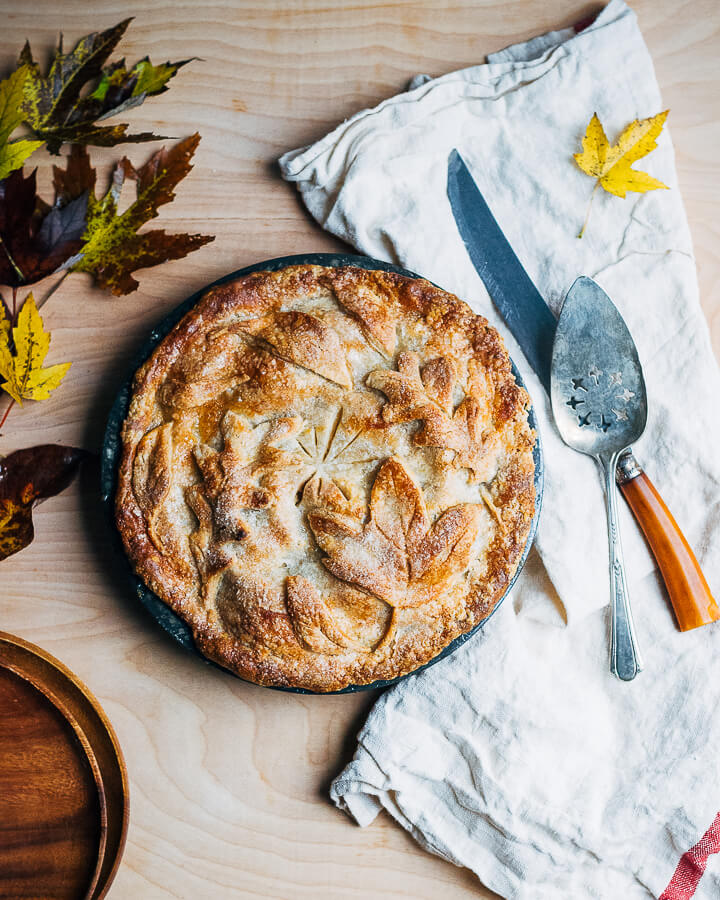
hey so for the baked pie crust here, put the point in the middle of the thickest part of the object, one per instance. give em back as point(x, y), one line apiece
point(327, 473)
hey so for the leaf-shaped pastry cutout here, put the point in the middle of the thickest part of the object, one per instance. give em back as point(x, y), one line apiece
point(366, 301)
point(239, 477)
point(201, 376)
point(360, 555)
point(311, 619)
point(319, 491)
point(448, 545)
point(439, 377)
point(306, 341)
point(427, 395)
point(396, 553)
point(152, 475)
point(208, 461)
point(211, 557)
point(252, 610)
point(397, 507)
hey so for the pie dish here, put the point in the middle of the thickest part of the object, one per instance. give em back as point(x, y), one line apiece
point(327, 473)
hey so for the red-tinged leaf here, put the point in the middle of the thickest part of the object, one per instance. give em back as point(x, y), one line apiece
point(27, 477)
point(113, 249)
point(35, 238)
point(77, 178)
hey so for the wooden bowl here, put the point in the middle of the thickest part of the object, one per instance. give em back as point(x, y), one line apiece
point(63, 784)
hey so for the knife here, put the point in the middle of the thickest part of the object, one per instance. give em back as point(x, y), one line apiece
point(533, 325)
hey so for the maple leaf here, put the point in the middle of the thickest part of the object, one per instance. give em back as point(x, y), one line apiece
point(28, 477)
point(397, 554)
point(22, 368)
point(121, 88)
point(36, 238)
point(13, 155)
point(612, 164)
point(112, 249)
point(56, 109)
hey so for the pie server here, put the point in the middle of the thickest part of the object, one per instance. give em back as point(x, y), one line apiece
point(533, 325)
point(600, 405)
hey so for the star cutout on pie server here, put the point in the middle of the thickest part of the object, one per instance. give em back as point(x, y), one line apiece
point(595, 373)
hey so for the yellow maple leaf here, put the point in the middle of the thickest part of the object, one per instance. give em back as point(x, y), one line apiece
point(13, 155)
point(22, 368)
point(611, 164)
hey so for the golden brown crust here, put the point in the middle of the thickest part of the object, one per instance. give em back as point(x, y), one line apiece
point(328, 473)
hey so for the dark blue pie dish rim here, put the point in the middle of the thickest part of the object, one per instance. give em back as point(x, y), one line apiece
point(163, 614)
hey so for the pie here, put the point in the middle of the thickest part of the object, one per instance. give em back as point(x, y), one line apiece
point(327, 473)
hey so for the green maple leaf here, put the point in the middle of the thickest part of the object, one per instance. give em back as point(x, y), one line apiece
point(122, 87)
point(112, 248)
point(13, 155)
point(54, 108)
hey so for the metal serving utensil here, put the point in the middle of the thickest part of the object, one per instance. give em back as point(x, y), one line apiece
point(533, 326)
point(600, 406)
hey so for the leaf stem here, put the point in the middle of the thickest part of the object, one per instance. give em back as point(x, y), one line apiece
point(587, 215)
point(12, 261)
point(53, 288)
point(7, 412)
point(14, 313)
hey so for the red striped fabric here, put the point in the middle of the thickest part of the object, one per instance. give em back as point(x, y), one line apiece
point(692, 864)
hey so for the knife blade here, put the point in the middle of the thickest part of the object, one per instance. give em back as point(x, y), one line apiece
point(533, 325)
point(515, 296)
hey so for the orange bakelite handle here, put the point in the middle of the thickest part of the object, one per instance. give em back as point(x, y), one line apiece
point(689, 592)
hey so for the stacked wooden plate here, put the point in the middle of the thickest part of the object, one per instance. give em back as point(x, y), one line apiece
point(63, 784)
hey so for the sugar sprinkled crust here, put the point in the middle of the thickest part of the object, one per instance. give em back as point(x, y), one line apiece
point(327, 473)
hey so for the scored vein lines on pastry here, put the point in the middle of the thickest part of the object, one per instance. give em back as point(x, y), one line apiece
point(333, 432)
point(349, 444)
point(320, 456)
point(304, 449)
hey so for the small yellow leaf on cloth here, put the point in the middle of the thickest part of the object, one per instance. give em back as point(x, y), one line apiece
point(611, 164)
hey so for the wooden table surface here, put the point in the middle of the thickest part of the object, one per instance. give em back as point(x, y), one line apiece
point(229, 781)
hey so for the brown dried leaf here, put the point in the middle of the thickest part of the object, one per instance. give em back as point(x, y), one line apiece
point(27, 477)
point(37, 239)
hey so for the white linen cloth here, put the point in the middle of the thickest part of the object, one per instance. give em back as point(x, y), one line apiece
point(520, 756)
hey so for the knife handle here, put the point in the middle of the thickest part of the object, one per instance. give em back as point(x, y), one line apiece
point(686, 585)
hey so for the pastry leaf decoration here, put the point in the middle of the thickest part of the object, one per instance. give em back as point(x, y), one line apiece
point(57, 108)
point(428, 395)
point(313, 623)
point(13, 155)
point(22, 357)
point(26, 478)
point(397, 552)
point(611, 164)
point(112, 248)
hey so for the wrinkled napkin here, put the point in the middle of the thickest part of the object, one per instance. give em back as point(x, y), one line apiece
point(520, 756)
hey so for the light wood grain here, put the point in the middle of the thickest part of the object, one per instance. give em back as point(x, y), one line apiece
point(229, 782)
